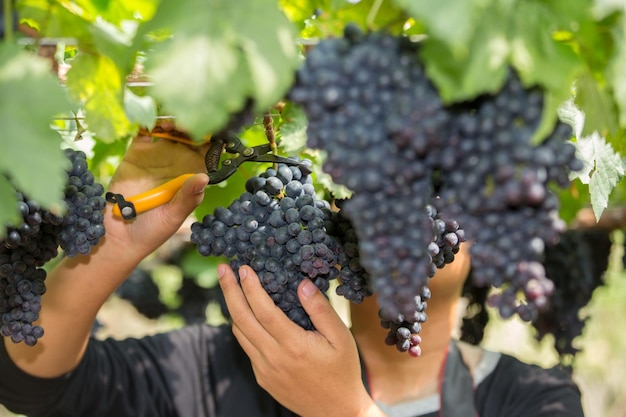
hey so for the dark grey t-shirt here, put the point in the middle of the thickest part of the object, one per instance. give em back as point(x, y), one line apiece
point(201, 371)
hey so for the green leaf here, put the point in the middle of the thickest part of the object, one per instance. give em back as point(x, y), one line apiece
point(597, 104)
point(536, 56)
point(617, 69)
point(293, 130)
point(55, 21)
point(301, 11)
point(603, 170)
point(451, 22)
point(220, 58)
point(116, 43)
point(471, 43)
point(95, 81)
point(331, 16)
point(140, 109)
point(482, 71)
point(204, 91)
point(31, 152)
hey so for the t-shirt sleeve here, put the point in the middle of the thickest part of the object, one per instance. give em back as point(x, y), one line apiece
point(150, 376)
point(519, 389)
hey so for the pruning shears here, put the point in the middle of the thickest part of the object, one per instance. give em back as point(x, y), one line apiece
point(128, 208)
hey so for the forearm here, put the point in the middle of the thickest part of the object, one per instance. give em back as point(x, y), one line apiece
point(76, 289)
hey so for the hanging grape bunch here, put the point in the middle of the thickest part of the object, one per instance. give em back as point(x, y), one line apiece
point(286, 233)
point(277, 226)
point(28, 246)
point(390, 139)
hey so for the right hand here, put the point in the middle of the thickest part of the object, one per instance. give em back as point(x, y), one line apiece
point(313, 373)
point(147, 164)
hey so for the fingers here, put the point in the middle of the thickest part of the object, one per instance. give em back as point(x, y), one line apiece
point(244, 319)
point(321, 312)
point(271, 317)
point(187, 198)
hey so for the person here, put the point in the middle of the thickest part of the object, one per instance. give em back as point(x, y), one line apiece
point(262, 365)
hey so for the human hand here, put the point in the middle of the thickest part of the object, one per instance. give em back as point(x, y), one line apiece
point(147, 164)
point(313, 373)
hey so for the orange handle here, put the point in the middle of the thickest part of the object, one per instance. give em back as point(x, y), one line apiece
point(154, 197)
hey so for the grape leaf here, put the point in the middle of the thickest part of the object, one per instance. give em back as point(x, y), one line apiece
point(468, 57)
point(482, 71)
point(116, 43)
point(603, 170)
point(31, 153)
point(367, 14)
point(617, 69)
point(140, 109)
point(220, 58)
point(95, 81)
point(537, 56)
point(598, 106)
point(451, 22)
point(74, 19)
point(301, 11)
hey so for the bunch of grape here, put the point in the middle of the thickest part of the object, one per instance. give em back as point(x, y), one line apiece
point(496, 183)
point(82, 223)
point(391, 140)
point(28, 246)
point(354, 281)
point(576, 264)
point(277, 227)
point(371, 107)
point(404, 331)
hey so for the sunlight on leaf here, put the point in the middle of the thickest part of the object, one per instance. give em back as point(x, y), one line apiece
point(603, 170)
point(220, 58)
point(31, 152)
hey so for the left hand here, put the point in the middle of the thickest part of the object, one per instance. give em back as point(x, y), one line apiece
point(313, 373)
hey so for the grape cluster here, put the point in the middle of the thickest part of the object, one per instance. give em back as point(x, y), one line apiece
point(405, 154)
point(28, 246)
point(83, 221)
point(404, 331)
point(371, 107)
point(277, 227)
point(576, 264)
point(496, 183)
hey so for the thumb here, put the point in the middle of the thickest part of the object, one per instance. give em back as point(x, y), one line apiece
point(189, 196)
point(320, 311)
